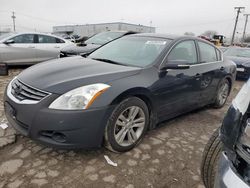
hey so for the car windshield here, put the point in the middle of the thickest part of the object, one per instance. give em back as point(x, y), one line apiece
point(239, 52)
point(5, 36)
point(103, 38)
point(131, 50)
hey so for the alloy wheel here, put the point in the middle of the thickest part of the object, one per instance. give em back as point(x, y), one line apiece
point(223, 93)
point(129, 126)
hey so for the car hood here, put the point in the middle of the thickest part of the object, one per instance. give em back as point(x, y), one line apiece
point(240, 60)
point(62, 75)
point(73, 49)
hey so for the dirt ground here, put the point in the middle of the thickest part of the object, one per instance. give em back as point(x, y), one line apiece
point(169, 156)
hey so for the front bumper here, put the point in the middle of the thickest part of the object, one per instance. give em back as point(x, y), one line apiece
point(227, 176)
point(58, 128)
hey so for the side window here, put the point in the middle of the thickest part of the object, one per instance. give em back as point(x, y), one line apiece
point(46, 39)
point(207, 52)
point(184, 51)
point(25, 38)
point(218, 55)
point(59, 40)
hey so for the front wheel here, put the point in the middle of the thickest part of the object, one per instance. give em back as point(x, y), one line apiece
point(210, 160)
point(127, 125)
point(222, 94)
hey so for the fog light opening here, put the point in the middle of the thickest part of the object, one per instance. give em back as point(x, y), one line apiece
point(59, 137)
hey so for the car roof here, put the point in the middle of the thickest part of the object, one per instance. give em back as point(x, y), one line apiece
point(167, 36)
point(36, 33)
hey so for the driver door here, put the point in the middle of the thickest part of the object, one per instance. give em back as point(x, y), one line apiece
point(177, 90)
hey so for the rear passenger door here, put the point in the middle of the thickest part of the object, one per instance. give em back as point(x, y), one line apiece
point(47, 47)
point(210, 67)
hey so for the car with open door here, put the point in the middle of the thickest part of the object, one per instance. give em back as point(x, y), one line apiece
point(115, 94)
point(30, 48)
point(226, 158)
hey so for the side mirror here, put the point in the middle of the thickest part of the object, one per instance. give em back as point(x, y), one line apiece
point(176, 64)
point(82, 44)
point(10, 41)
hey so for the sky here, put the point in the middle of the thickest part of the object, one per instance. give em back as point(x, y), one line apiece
point(168, 16)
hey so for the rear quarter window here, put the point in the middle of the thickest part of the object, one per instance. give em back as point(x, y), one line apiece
point(59, 40)
point(207, 52)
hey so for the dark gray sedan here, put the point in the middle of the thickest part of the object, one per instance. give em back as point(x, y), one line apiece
point(118, 92)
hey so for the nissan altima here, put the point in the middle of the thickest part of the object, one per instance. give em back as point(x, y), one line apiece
point(112, 96)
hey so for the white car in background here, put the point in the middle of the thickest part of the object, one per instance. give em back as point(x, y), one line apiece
point(30, 48)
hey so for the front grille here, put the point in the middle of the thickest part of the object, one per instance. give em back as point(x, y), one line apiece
point(22, 92)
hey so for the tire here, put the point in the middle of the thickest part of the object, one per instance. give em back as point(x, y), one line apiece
point(123, 122)
point(222, 94)
point(210, 160)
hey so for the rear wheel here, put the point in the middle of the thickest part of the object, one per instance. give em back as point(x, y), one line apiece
point(210, 160)
point(127, 125)
point(222, 94)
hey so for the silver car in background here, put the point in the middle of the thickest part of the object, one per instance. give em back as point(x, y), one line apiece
point(30, 48)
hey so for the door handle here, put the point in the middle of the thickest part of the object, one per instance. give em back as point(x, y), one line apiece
point(222, 68)
point(57, 46)
point(31, 46)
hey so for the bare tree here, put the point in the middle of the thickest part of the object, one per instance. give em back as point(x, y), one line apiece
point(247, 39)
point(209, 33)
point(189, 34)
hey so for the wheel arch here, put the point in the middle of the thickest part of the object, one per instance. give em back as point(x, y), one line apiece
point(143, 94)
point(230, 80)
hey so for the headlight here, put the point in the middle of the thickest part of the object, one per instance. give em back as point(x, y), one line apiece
point(79, 98)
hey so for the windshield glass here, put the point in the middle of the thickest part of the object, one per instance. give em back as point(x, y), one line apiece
point(239, 52)
point(5, 35)
point(103, 38)
point(132, 50)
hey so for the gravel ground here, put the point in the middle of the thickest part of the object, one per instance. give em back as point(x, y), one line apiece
point(169, 156)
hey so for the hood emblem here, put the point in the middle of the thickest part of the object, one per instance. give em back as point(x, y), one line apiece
point(18, 89)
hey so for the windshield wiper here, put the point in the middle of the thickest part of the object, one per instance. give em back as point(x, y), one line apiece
point(108, 61)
